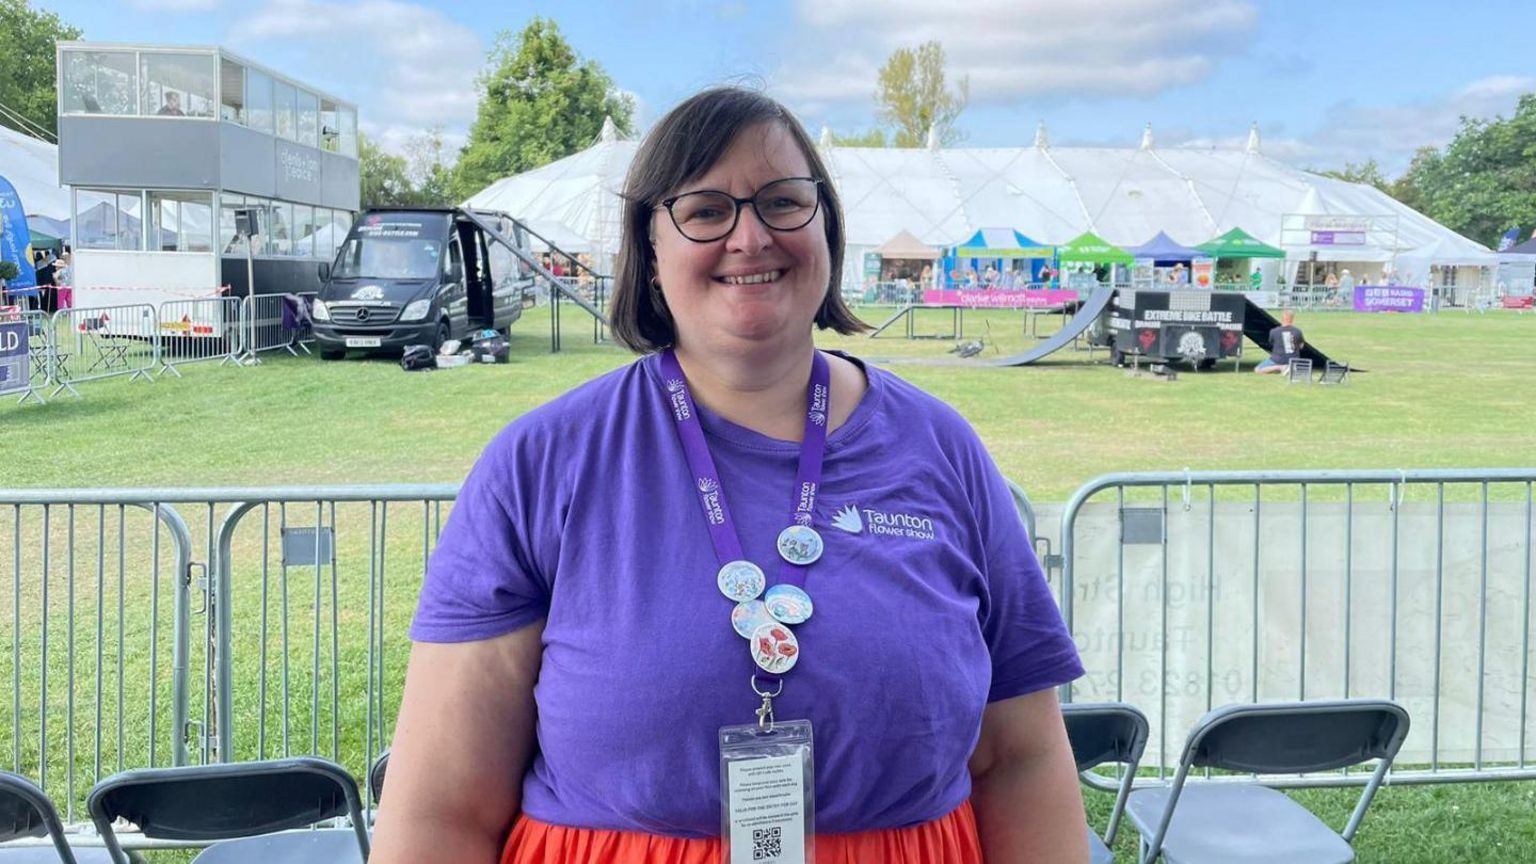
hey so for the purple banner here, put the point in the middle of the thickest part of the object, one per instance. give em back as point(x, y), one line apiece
point(1388, 298)
point(1338, 238)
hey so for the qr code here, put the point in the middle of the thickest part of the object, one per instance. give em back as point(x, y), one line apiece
point(767, 844)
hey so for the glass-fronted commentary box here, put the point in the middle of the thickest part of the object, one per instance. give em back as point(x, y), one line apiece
point(160, 145)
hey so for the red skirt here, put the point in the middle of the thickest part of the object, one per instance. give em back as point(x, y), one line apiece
point(949, 839)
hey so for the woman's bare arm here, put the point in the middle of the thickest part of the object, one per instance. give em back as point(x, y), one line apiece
point(462, 744)
point(1024, 785)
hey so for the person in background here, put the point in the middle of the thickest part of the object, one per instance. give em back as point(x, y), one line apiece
point(575, 662)
point(1285, 344)
point(172, 106)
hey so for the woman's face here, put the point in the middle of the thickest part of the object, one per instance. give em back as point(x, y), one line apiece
point(756, 287)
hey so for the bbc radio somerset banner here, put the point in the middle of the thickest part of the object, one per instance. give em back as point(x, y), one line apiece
point(1388, 298)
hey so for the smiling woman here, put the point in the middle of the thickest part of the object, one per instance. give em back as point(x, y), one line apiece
point(581, 693)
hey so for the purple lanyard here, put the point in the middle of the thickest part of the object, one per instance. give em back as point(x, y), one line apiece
point(813, 448)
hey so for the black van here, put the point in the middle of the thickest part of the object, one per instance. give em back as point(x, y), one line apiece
point(420, 276)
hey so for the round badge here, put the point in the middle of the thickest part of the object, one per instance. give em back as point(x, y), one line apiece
point(800, 544)
point(788, 604)
point(774, 648)
point(748, 616)
point(741, 580)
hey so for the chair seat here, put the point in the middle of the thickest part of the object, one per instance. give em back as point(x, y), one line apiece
point(50, 855)
point(326, 846)
point(1098, 853)
point(1237, 824)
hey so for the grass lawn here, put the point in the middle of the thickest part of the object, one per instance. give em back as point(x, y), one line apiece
point(1452, 390)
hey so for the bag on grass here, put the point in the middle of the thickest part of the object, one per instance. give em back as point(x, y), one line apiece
point(491, 348)
point(417, 357)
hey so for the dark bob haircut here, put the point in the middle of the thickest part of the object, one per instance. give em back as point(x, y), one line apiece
point(683, 147)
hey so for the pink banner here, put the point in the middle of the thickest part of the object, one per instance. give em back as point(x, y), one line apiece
point(996, 299)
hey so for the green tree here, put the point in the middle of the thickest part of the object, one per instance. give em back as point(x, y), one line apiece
point(1367, 172)
point(872, 138)
point(539, 102)
point(1484, 181)
point(27, 65)
point(914, 97)
point(429, 168)
point(385, 176)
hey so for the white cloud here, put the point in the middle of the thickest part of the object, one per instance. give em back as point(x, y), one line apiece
point(416, 65)
point(1014, 49)
point(1354, 132)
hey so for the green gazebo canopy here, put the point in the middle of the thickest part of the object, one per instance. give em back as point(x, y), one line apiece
point(1238, 243)
point(1091, 248)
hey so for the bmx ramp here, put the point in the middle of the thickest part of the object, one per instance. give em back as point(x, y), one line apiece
point(1257, 322)
point(1087, 313)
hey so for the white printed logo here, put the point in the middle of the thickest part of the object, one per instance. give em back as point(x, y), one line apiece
point(818, 411)
point(678, 398)
point(709, 492)
point(853, 520)
point(847, 519)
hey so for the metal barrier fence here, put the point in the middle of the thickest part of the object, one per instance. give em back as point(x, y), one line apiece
point(192, 331)
point(196, 626)
point(1193, 590)
point(98, 613)
point(25, 377)
point(153, 627)
point(93, 343)
point(271, 322)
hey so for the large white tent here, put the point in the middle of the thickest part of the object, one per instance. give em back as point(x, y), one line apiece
point(32, 166)
point(1051, 194)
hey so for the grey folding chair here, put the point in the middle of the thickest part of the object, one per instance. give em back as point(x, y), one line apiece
point(26, 812)
point(1247, 823)
point(240, 809)
point(376, 776)
point(1335, 373)
point(1299, 371)
point(1106, 732)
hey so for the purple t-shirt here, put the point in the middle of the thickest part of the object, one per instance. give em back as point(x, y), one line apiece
point(929, 603)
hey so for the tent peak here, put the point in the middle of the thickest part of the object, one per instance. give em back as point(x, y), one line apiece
point(1253, 138)
point(933, 137)
point(1042, 138)
point(826, 137)
point(609, 132)
point(1146, 137)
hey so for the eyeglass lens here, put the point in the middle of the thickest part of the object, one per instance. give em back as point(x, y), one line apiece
point(783, 205)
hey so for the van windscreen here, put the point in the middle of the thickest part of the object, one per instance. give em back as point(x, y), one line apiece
point(388, 258)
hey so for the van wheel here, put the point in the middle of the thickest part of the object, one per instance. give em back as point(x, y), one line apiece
point(331, 355)
point(441, 337)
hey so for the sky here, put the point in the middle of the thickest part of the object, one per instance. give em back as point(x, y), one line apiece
point(1326, 82)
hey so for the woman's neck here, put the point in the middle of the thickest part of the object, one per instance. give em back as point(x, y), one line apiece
point(763, 393)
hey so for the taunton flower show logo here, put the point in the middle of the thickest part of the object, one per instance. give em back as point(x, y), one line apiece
point(709, 493)
point(847, 519)
point(806, 503)
point(679, 397)
point(854, 520)
point(818, 412)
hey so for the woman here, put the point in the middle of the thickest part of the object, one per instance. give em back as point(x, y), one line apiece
point(575, 661)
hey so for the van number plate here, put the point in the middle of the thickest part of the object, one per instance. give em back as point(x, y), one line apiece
point(363, 341)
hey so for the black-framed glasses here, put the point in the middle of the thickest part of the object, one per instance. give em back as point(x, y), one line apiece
point(783, 205)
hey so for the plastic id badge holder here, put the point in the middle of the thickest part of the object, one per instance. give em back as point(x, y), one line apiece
point(767, 794)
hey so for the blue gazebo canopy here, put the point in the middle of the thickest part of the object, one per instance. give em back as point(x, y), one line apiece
point(1001, 243)
point(1164, 248)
